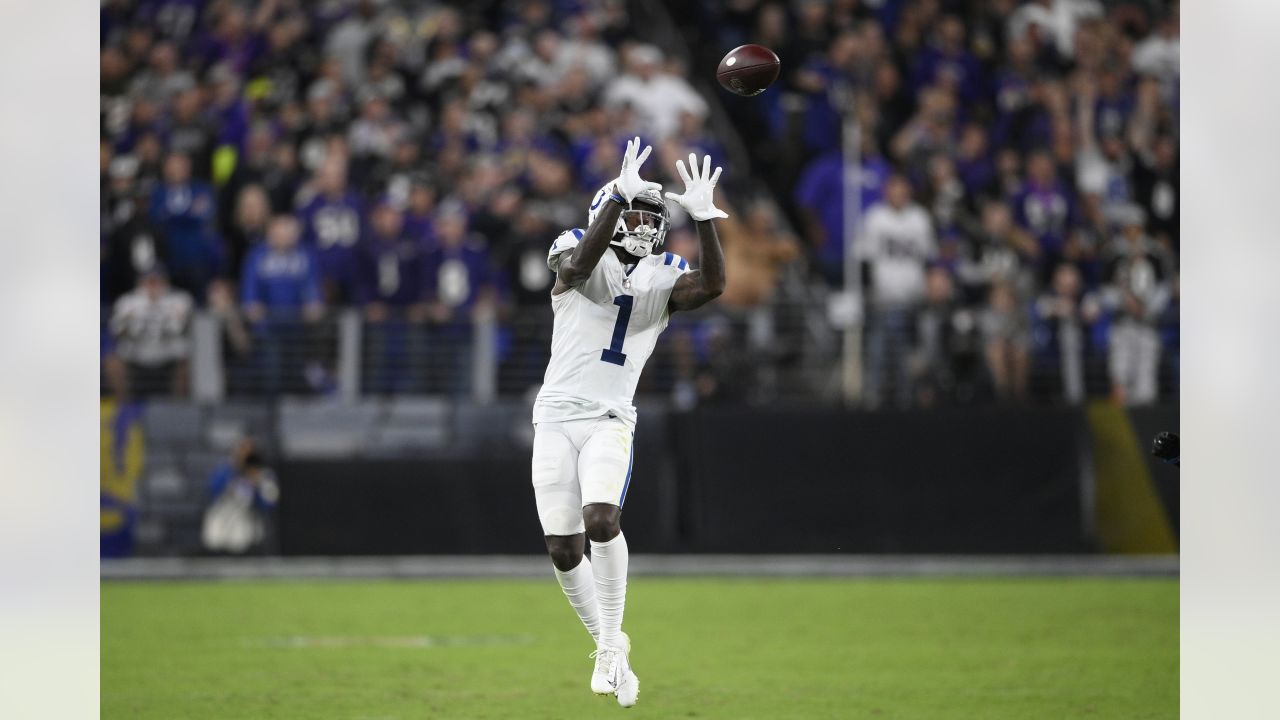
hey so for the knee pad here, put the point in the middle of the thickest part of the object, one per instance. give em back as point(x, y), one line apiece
point(562, 521)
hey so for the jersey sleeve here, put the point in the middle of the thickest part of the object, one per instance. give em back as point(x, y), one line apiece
point(673, 266)
point(565, 242)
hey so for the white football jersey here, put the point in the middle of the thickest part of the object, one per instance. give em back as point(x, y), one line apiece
point(605, 329)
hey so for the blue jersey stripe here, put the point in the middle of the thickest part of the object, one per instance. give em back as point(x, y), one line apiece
point(667, 260)
point(630, 464)
point(577, 233)
point(683, 263)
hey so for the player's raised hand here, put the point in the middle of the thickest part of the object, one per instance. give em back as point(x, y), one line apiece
point(629, 184)
point(697, 198)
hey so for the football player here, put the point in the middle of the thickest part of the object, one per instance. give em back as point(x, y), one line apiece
point(615, 290)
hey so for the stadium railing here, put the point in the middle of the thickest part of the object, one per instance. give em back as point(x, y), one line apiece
point(784, 351)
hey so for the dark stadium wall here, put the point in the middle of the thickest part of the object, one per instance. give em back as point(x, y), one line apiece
point(971, 481)
point(768, 481)
point(1147, 423)
point(1137, 495)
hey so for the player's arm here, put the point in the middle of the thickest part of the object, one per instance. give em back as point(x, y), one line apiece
point(581, 262)
point(699, 287)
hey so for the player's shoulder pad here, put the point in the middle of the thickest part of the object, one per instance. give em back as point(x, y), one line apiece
point(675, 262)
point(564, 242)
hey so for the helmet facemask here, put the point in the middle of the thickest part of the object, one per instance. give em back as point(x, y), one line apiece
point(642, 227)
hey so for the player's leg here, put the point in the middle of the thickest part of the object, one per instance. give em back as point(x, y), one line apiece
point(604, 469)
point(559, 499)
point(610, 559)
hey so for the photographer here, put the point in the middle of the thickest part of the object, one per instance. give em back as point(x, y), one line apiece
point(244, 492)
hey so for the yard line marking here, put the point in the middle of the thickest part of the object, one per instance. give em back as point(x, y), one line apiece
point(387, 641)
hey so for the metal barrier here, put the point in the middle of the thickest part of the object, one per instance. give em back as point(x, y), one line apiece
point(787, 351)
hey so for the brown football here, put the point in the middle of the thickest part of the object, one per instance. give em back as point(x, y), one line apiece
point(748, 69)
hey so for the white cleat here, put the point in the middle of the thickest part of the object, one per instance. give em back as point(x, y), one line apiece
point(628, 684)
point(601, 677)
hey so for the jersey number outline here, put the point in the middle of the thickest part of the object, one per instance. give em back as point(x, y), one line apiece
point(613, 353)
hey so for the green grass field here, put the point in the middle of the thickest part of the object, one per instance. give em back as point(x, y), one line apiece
point(723, 648)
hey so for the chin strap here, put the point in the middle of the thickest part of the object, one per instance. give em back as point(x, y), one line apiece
point(638, 242)
point(635, 246)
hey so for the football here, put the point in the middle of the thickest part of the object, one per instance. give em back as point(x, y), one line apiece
point(748, 69)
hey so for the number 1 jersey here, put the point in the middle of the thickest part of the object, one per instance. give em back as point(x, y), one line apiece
point(605, 329)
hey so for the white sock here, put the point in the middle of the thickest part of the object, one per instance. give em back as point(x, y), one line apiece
point(611, 560)
point(579, 585)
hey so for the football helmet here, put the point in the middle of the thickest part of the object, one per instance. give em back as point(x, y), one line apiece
point(642, 226)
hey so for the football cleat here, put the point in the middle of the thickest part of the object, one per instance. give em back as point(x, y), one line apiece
point(627, 683)
point(601, 676)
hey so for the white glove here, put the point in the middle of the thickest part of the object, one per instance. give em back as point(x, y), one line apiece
point(629, 184)
point(698, 190)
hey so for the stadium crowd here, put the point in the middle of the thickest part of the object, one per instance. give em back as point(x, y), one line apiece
point(1018, 180)
point(272, 161)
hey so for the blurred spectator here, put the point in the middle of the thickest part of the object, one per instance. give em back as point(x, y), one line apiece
point(374, 135)
point(827, 82)
point(150, 327)
point(1053, 21)
point(1090, 235)
point(243, 492)
point(280, 278)
point(944, 196)
point(280, 295)
point(998, 251)
point(390, 272)
point(1156, 188)
point(457, 271)
point(820, 196)
point(1007, 338)
point(459, 285)
point(331, 227)
point(418, 215)
point(658, 96)
point(1103, 163)
point(133, 245)
point(946, 60)
point(164, 78)
point(522, 266)
point(1044, 209)
point(395, 173)
point(1158, 53)
point(183, 209)
point(349, 38)
point(725, 374)
point(265, 163)
point(523, 261)
point(248, 228)
point(190, 132)
point(946, 363)
point(932, 130)
point(583, 48)
point(895, 245)
point(755, 251)
point(1064, 317)
point(237, 344)
point(1137, 291)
